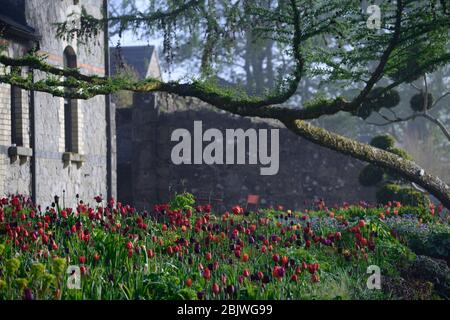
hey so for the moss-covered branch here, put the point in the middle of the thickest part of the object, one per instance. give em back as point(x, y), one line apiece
point(384, 159)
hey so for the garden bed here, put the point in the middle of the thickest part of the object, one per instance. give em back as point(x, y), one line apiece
point(184, 251)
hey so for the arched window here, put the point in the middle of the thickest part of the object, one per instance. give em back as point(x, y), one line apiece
point(70, 105)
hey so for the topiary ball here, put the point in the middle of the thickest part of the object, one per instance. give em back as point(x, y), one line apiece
point(383, 141)
point(377, 99)
point(417, 102)
point(370, 175)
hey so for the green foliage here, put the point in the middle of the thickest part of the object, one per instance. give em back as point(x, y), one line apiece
point(431, 239)
point(405, 195)
point(400, 152)
point(418, 212)
point(371, 175)
point(434, 244)
point(159, 261)
point(182, 201)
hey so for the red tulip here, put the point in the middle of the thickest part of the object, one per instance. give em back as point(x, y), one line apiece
point(83, 270)
point(189, 282)
point(260, 275)
point(246, 273)
point(294, 278)
point(315, 278)
point(208, 256)
point(237, 210)
point(278, 272)
point(304, 265)
point(215, 288)
point(129, 245)
point(207, 274)
point(361, 223)
point(82, 259)
point(245, 257)
point(308, 244)
point(284, 260)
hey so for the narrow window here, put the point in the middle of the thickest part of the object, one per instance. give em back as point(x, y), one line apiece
point(16, 116)
point(70, 61)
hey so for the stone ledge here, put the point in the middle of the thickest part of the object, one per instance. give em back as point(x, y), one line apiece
point(73, 157)
point(15, 151)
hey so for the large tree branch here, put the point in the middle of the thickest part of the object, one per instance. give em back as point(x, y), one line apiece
point(405, 168)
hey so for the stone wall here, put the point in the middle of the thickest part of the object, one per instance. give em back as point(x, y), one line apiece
point(307, 171)
point(53, 175)
point(15, 172)
point(84, 170)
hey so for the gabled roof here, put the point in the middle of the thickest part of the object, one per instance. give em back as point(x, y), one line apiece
point(137, 57)
point(13, 22)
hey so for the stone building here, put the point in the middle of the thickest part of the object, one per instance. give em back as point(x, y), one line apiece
point(146, 174)
point(49, 145)
point(139, 62)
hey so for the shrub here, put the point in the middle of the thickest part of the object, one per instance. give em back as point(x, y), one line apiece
point(431, 270)
point(425, 239)
point(419, 212)
point(417, 101)
point(370, 175)
point(182, 201)
point(405, 195)
point(384, 142)
point(407, 289)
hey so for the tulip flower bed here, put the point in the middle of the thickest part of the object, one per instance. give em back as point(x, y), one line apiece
point(183, 251)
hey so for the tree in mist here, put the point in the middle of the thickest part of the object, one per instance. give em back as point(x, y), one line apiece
point(333, 40)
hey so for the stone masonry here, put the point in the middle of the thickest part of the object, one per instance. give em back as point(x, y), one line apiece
point(146, 174)
point(82, 170)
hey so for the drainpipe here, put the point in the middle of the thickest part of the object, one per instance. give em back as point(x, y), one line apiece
point(32, 115)
point(109, 112)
